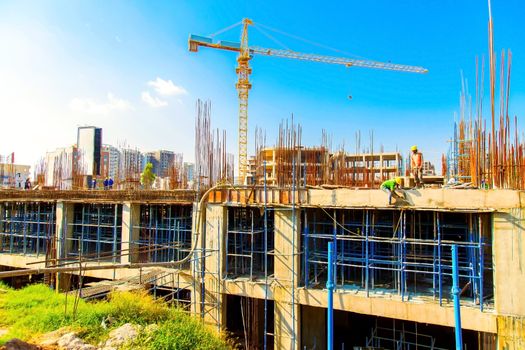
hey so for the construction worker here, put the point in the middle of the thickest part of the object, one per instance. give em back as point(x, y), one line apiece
point(416, 165)
point(389, 186)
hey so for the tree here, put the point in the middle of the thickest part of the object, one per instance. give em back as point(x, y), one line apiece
point(148, 176)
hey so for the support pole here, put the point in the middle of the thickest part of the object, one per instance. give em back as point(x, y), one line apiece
point(330, 309)
point(456, 291)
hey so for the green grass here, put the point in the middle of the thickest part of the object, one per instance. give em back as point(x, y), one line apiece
point(36, 310)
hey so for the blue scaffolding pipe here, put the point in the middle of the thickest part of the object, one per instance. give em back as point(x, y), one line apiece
point(439, 261)
point(456, 292)
point(330, 307)
point(367, 263)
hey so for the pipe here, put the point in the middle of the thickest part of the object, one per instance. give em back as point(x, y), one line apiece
point(330, 307)
point(456, 292)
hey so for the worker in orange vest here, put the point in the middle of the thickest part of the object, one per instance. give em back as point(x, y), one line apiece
point(416, 165)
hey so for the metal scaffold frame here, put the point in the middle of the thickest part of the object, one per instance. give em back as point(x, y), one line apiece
point(96, 231)
point(404, 252)
point(247, 248)
point(27, 228)
point(165, 233)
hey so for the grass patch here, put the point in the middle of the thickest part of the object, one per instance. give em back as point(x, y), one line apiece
point(36, 309)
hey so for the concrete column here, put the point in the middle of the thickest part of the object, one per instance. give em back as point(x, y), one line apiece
point(508, 257)
point(1, 215)
point(214, 253)
point(511, 332)
point(130, 232)
point(286, 269)
point(63, 231)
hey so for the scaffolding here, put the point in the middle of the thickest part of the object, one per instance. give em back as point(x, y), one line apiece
point(404, 252)
point(164, 233)
point(400, 337)
point(27, 228)
point(246, 247)
point(96, 232)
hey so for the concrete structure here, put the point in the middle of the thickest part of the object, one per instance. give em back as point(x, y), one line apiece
point(428, 169)
point(89, 147)
point(259, 264)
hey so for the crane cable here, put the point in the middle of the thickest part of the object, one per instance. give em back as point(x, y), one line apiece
point(226, 29)
point(311, 42)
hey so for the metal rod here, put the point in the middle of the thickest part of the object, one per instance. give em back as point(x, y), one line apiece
point(456, 292)
point(330, 306)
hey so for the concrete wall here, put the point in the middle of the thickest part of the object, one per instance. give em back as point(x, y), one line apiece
point(287, 266)
point(508, 246)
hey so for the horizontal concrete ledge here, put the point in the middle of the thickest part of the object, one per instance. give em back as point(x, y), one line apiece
point(110, 196)
point(420, 199)
point(448, 199)
point(422, 312)
point(383, 306)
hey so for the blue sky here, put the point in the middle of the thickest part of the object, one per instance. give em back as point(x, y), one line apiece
point(124, 66)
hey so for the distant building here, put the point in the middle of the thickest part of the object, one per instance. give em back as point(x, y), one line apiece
point(189, 169)
point(161, 161)
point(130, 165)
point(13, 175)
point(428, 169)
point(61, 167)
point(89, 146)
point(110, 162)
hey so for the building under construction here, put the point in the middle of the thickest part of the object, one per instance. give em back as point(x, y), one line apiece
point(252, 260)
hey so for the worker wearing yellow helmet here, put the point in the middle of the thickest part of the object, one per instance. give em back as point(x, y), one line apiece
point(389, 186)
point(416, 166)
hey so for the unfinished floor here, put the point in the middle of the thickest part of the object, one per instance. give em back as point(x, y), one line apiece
point(259, 265)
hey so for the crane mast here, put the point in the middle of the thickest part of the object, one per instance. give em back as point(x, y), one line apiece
point(243, 71)
point(243, 88)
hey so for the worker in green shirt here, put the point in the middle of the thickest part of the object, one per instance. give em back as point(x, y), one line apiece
point(389, 186)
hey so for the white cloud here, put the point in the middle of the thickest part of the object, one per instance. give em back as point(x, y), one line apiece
point(87, 105)
point(153, 101)
point(167, 88)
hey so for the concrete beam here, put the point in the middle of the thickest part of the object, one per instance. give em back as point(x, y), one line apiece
point(448, 199)
point(422, 312)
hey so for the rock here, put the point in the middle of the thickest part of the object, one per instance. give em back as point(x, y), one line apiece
point(70, 341)
point(17, 344)
point(121, 335)
point(52, 338)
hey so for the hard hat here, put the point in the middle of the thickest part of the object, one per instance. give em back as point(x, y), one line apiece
point(413, 148)
point(398, 181)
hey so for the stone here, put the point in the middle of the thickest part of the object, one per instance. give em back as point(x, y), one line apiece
point(119, 336)
point(17, 344)
point(70, 341)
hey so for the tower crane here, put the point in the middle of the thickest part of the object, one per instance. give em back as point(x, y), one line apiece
point(243, 71)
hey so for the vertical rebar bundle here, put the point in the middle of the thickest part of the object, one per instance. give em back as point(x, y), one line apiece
point(212, 163)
